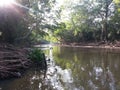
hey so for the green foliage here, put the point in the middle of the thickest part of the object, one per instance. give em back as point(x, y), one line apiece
point(36, 55)
point(91, 20)
point(27, 23)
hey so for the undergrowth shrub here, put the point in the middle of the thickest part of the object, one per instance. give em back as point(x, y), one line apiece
point(36, 55)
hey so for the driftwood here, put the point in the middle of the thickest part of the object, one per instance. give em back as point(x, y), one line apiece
point(12, 61)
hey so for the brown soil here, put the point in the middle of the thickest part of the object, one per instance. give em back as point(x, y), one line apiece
point(103, 45)
point(12, 61)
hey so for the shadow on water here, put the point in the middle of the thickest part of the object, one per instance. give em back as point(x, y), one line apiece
point(72, 68)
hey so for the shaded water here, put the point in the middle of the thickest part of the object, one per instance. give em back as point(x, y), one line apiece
point(72, 68)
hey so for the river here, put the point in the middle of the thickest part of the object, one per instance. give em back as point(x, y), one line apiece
point(72, 68)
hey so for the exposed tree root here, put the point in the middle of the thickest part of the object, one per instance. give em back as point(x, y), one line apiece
point(12, 61)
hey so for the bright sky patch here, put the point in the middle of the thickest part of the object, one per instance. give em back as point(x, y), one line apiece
point(6, 2)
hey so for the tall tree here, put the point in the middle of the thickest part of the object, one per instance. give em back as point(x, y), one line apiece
point(27, 19)
point(11, 18)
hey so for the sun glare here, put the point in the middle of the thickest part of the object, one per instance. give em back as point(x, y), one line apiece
point(6, 2)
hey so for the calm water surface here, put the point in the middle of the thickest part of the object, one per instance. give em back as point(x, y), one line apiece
point(72, 68)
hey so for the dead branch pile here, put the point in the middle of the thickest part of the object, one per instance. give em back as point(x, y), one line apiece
point(12, 61)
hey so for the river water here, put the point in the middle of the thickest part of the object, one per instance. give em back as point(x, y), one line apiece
point(72, 68)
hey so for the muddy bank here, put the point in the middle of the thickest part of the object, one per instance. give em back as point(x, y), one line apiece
point(99, 45)
point(13, 61)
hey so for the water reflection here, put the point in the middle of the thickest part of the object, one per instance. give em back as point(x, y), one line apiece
point(56, 77)
point(72, 69)
point(91, 69)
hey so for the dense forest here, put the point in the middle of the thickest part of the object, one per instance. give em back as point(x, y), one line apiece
point(37, 21)
point(91, 21)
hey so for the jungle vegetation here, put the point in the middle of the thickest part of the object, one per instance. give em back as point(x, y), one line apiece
point(35, 21)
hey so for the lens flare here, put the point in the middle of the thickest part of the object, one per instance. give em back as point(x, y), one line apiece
point(6, 2)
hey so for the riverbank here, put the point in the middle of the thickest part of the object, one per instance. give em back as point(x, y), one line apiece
point(100, 45)
point(13, 61)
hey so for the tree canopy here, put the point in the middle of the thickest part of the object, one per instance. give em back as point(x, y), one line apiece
point(92, 21)
point(28, 21)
